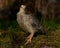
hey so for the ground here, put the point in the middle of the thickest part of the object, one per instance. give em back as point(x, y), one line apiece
point(12, 36)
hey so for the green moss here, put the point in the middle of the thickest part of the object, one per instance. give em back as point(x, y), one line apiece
point(12, 35)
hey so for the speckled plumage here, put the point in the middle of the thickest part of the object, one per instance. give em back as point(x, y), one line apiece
point(27, 21)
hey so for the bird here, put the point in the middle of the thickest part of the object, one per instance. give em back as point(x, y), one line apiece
point(28, 23)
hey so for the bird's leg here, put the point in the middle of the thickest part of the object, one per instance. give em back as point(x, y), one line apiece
point(29, 38)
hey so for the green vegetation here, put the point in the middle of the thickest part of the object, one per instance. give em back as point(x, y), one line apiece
point(12, 36)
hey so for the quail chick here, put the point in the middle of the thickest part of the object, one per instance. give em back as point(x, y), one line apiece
point(28, 23)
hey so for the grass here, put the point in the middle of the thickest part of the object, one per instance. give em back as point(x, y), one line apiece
point(12, 36)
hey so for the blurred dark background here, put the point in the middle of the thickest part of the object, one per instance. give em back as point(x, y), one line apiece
point(48, 8)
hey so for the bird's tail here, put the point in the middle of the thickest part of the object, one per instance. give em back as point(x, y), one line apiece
point(42, 30)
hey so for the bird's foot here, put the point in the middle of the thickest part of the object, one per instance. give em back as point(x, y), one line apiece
point(29, 38)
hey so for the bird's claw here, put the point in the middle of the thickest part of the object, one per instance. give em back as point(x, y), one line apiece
point(29, 38)
point(28, 41)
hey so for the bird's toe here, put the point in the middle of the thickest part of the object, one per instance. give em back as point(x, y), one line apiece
point(28, 41)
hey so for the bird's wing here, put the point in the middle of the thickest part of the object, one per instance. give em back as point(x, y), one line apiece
point(34, 22)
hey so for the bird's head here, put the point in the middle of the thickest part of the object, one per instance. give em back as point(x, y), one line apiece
point(23, 7)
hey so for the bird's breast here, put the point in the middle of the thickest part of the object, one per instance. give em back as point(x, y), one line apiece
point(24, 19)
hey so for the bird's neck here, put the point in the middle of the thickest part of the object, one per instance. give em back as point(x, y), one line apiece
point(22, 11)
